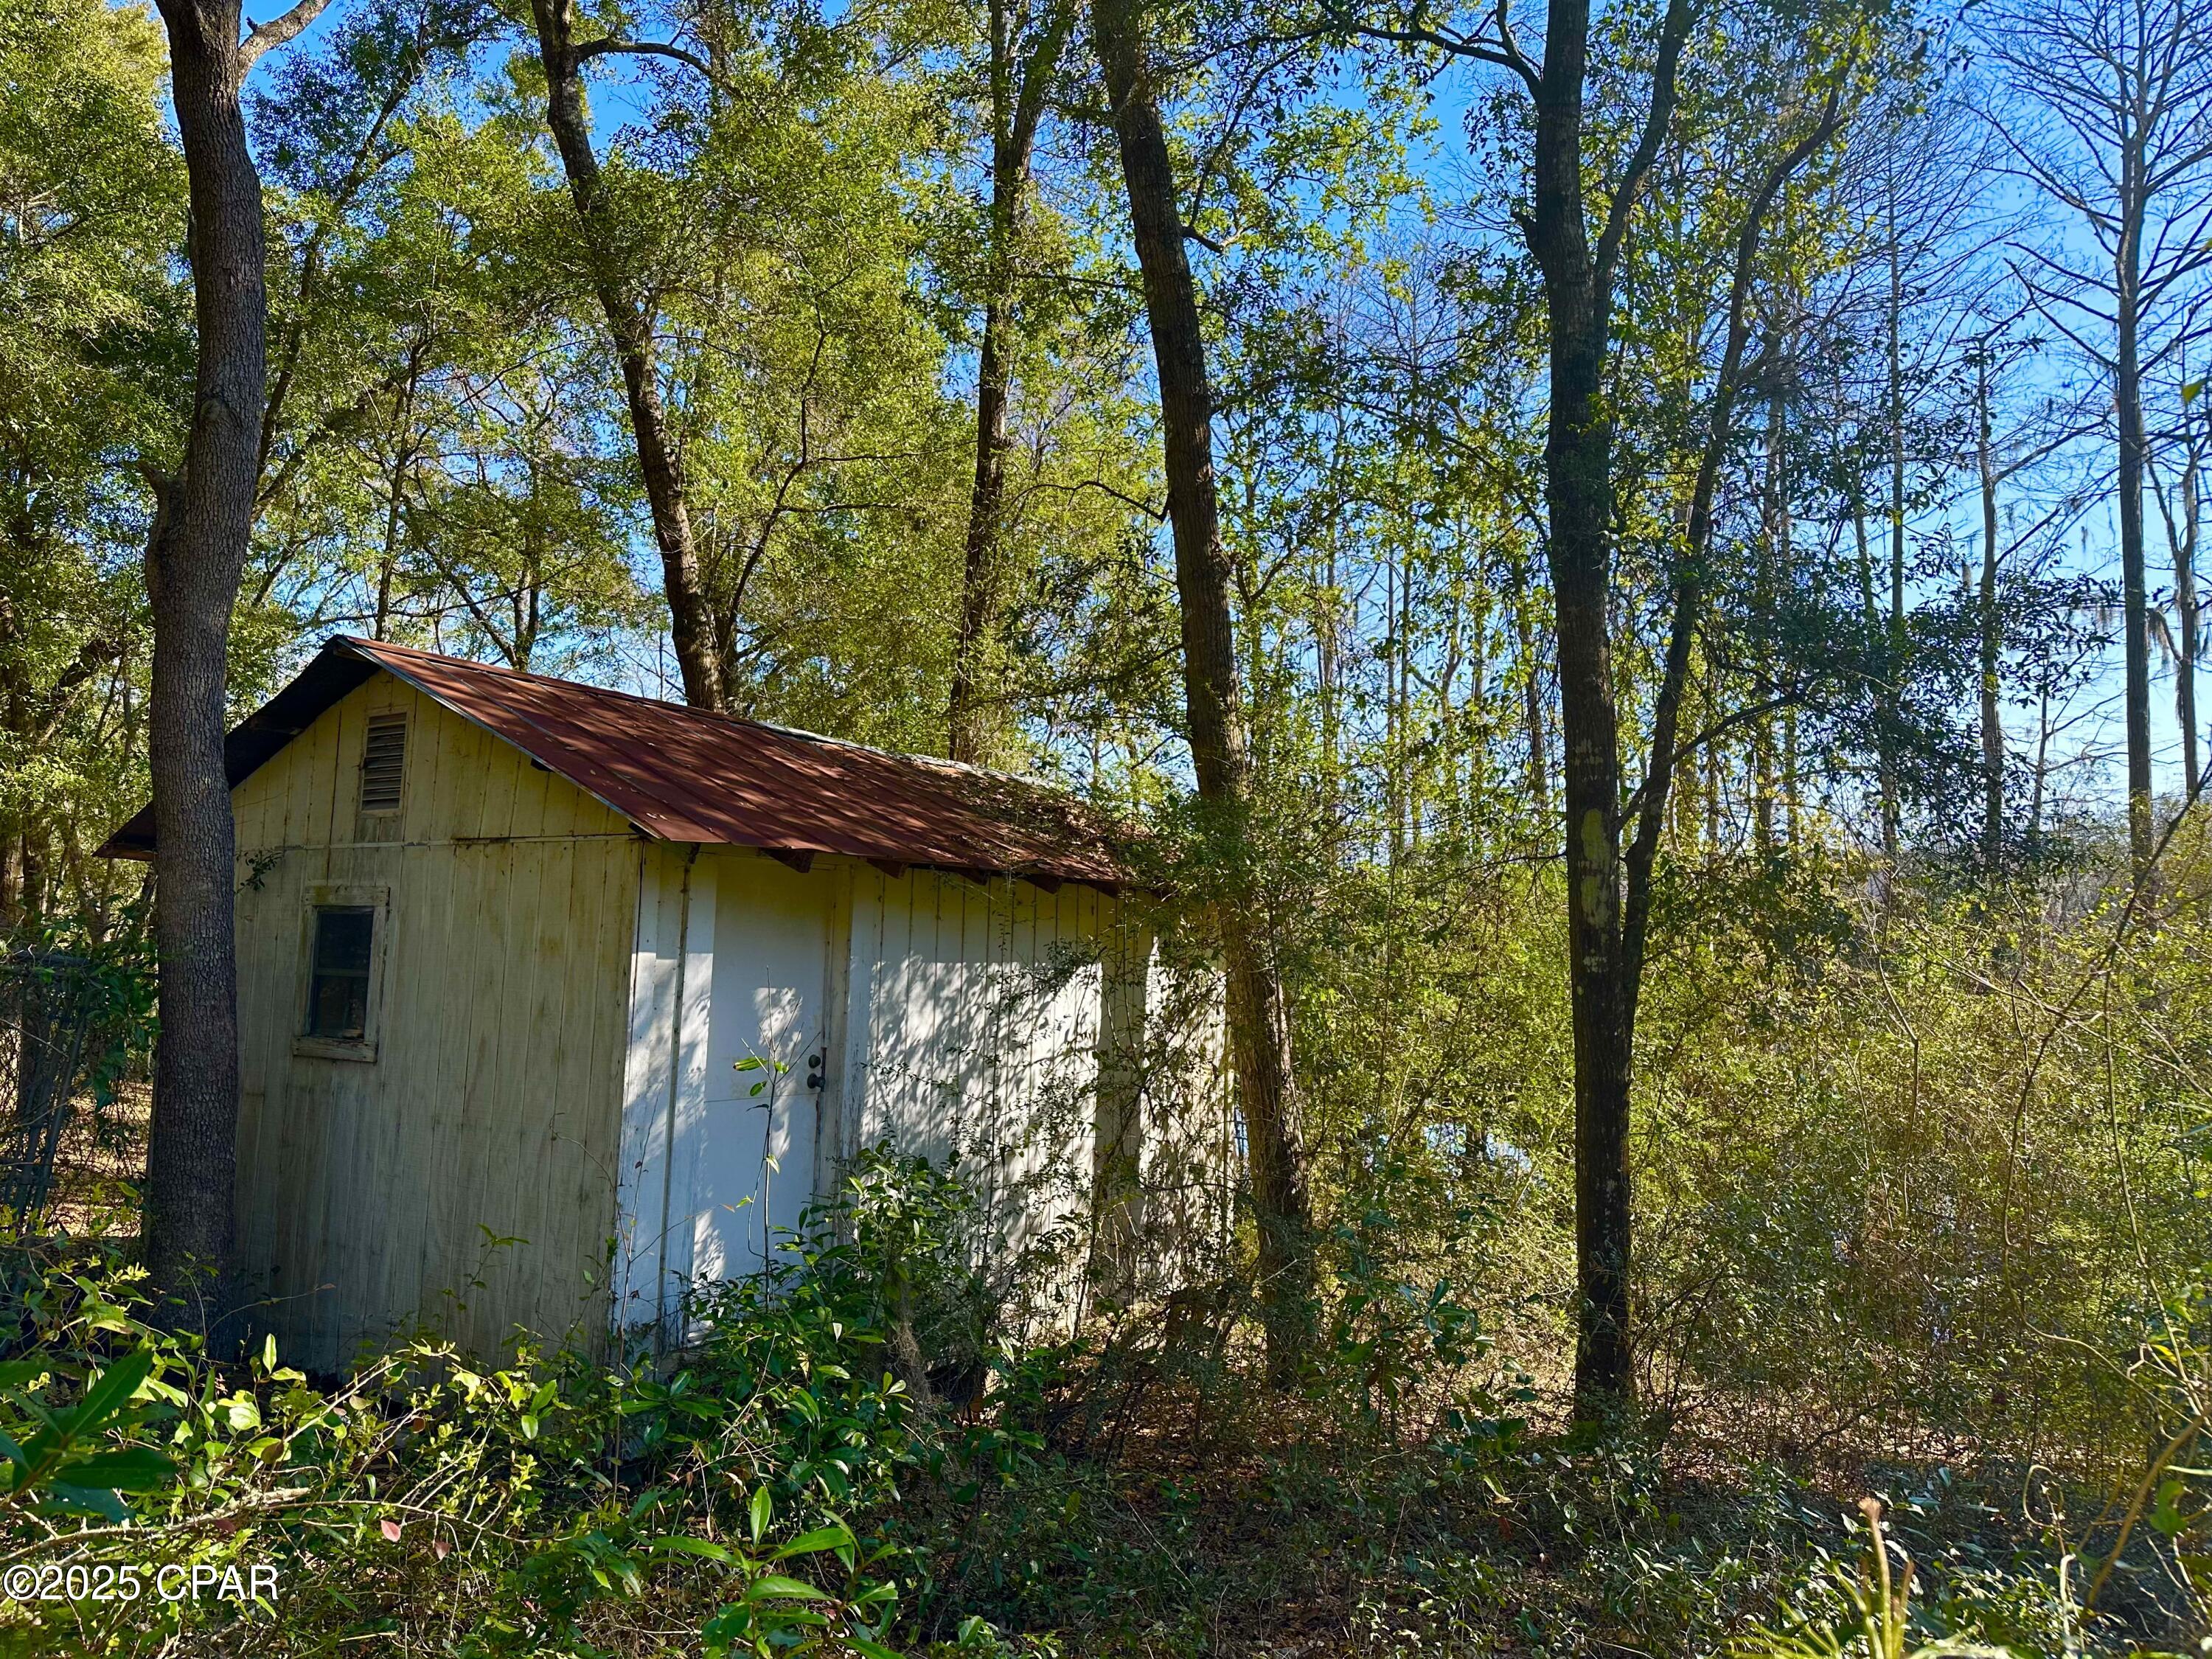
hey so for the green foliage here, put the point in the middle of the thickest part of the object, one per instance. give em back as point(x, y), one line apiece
point(552, 1493)
point(1879, 1624)
point(94, 331)
point(1392, 1343)
point(57, 1462)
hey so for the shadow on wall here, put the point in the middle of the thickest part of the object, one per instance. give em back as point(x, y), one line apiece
point(1096, 1150)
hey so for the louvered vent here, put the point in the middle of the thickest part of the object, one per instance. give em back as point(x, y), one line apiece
point(383, 762)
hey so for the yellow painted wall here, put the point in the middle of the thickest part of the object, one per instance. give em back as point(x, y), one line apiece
point(369, 1190)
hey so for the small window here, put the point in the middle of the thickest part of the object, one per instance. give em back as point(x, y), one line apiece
point(337, 988)
point(383, 762)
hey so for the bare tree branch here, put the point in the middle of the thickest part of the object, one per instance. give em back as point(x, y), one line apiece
point(278, 30)
point(591, 49)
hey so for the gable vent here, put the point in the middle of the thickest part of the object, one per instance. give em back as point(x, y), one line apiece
point(383, 762)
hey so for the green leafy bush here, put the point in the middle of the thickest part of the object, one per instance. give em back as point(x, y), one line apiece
point(556, 1500)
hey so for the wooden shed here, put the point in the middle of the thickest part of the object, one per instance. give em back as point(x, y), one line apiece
point(514, 952)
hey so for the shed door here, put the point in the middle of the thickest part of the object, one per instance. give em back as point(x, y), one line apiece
point(753, 1155)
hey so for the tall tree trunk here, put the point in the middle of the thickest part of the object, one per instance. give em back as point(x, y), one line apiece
point(1259, 1017)
point(395, 507)
point(1712, 771)
point(2188, 616)
point(1772, 545)
point(1019, 81)
point(1893, 638)
point(1475, 720)
point(1993, 749)
point(1394, 727)
point(1578, 500)
point(1783, 533)
point(1328, 645)
point(2135, 620)
point(1793, 826)
point(2042, 766)
point(1609, 887)
point(1532, 695)
point(968, 721)
point(2127, 403)
point(629, 326)
point(195, 557)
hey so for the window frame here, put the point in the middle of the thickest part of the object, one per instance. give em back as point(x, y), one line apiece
point(343, 896)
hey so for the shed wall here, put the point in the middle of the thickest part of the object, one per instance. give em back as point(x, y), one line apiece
point(978, 1034)
point(371, 1193)
point(1014, 1030)
point(1036, 1038)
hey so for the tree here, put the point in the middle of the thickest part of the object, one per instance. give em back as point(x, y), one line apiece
point(1578, 294)
point(1259, 1016)
point(1999, 460)
point(195, 555)
point(360, 336)
point(449, 462)
point(2110, 119)
point(630, 320)
point(2184, 525)
point(1916, 176)
point(93, 344)
point(1023, 59)
point(1612, 834)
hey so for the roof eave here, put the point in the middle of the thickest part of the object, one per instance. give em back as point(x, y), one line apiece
point(345, 662)
point(256, 740)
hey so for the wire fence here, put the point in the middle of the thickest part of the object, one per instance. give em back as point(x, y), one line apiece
point(69, 1027)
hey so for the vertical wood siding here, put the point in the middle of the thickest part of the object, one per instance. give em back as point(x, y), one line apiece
point(975, 1039)
point(993, 1025)
point(372, 1194)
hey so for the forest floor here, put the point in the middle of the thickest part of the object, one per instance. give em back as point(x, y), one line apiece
point(1148, 1503)
point(1272, 1531)
point(1683, 1565)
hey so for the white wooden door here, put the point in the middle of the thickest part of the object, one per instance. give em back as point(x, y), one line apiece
point(753, 1151)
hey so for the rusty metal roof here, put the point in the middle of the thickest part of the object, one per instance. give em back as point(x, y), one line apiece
point(684, 774)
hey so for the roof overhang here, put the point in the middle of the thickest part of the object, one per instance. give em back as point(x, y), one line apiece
point(335, 670)
point(345, 664)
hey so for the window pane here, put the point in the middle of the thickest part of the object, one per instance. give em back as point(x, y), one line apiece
point(338, 993)
point(342, 939)
point(341, 1007)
